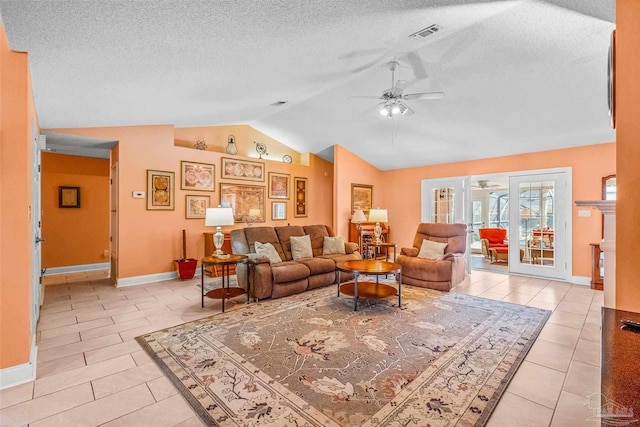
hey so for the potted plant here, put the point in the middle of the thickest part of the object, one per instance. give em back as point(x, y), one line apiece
point(186, 267)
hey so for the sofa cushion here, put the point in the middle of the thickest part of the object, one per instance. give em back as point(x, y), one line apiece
point(426, 269)
point(289, 271)
point(301, 247)
point(454, 234)
point(318, 265)
point(317, 234)
point(431, 250)
point(284, 234)
point(333, 245)
point(269, 251)
point(263, 235)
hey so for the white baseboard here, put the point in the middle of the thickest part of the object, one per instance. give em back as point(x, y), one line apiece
point(580, 280)
point(20, 374)
point(149, 278)
point(77, 268)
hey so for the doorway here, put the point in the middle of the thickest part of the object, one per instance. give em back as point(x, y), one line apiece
point(531, 208)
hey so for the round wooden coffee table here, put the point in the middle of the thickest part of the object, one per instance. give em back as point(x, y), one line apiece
point(369, 290)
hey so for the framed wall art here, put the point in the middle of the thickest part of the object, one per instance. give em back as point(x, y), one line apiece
point(278, 185)
point(196, 206)
point(300, 188)
point(247, 201)
point(242, 169)
point(160, 190)
point(361, 197)
point(278, 211)
point(197, 176)
point(68, 197)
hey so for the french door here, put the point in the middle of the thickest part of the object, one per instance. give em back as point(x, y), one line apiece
point(538, 225)
point(447, 201)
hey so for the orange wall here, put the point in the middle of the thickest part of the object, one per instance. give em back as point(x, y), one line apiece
point(75, 236)
point(628, 154)
point(17, 113)
point(399, 190)
point(216, 138)
point(351, 169)
point(149, 241)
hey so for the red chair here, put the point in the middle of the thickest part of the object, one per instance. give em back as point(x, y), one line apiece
point(493, 245)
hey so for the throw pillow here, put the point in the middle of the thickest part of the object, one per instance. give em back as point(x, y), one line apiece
point(269, 251)
point(333, 245)
point(431, 249)
point(301, 247)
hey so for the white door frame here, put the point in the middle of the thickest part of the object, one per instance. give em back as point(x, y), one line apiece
point(113, 222)
point(568, 204)
point(462, 207)
point(37, 293)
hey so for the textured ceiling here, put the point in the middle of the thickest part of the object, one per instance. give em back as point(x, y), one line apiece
point(518, 76)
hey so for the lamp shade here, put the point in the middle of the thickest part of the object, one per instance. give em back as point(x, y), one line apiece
point(358, 216)
point(216, 217)
point(378, 215)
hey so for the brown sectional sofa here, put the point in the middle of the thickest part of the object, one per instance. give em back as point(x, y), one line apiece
point(289, 276)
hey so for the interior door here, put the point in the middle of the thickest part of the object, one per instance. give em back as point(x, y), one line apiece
point(538, 225)
point(448, 200)
point(36, 230)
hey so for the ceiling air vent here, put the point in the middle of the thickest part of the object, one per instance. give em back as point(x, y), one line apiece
point(426, 32)
point(278, 103)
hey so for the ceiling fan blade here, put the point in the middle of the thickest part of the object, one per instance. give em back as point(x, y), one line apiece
point(399, 87)
point(424, 95)
point(366, 96)
point(409, 111)
point(372, 109)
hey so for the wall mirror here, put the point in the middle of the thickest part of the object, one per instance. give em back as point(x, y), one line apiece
point(609, 187)
point(608, 192)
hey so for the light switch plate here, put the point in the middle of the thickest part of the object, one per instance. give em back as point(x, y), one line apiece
point(584, 212)
point(138, 194)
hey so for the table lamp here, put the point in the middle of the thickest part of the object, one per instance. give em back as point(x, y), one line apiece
point(217, 217)
point(358, 217)
point(378, 216)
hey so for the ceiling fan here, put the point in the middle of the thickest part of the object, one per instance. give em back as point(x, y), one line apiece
point(485, 184)
point(393, 99)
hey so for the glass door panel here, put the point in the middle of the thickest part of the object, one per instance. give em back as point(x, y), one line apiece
point(448, 201)
point(537, 236)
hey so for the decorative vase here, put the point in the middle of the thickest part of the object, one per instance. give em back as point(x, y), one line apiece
point(231, 146)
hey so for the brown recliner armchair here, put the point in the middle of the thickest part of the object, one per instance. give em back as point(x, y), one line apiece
point(439, 274)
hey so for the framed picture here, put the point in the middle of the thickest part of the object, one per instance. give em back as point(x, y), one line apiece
point(278, 185)
point(160, 190)
point(197, 176)
point(278, 210)
point(361, 197)
point(242, 169)
point(196, 206)
point(68, 197)
point(247, 201)
point(300, 188)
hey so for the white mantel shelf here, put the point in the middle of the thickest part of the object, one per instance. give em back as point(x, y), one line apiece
point(608, 246)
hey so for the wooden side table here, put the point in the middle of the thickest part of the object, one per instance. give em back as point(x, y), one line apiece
point(225, 263)
point(386, 246)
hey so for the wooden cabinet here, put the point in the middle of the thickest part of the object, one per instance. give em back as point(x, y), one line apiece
point(209, 248)
point(597, 269)
point(366, 233)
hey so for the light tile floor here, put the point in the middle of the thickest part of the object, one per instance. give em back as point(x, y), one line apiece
point(91, 371)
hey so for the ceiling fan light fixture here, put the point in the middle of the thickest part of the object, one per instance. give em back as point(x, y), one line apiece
point(395, 109)
point(402, 109)
point(386, 111)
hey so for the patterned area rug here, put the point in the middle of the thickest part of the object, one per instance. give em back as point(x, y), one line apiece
point(444, 359)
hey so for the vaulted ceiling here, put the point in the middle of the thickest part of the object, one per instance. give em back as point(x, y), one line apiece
point(518, 76)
